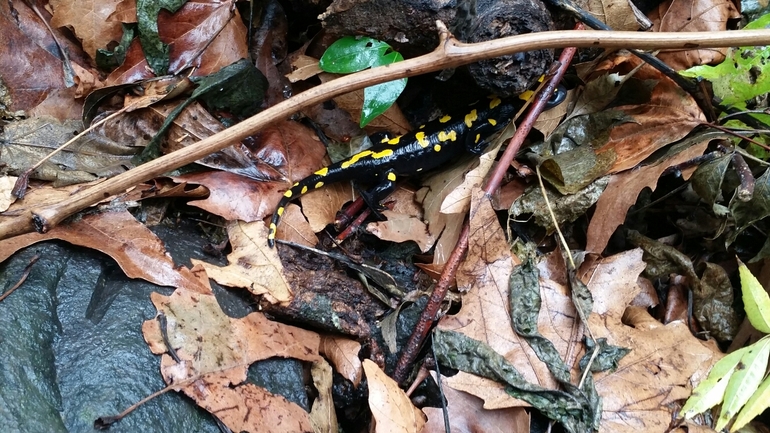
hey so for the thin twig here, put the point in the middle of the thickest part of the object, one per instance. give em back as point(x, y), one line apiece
point(24, 275)
point(450, 53)
point(428, 316)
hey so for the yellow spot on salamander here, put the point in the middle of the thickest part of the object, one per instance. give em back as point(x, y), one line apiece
point(494, 102)
point(353, 159)
point(322, 172)
point(478, 137)
point(279, 211)
point(492, 122)
point(444, 136)
point(526, 96)
point(421, 127)
point(304, 190)
point(437, 148)
point(318, 185)
point(470, 117)
point(382, 154)
point(420, 136)
point(391, 177)
point(394, 140)
point(271, 235)
point(445, 119)
point(287, 194)
point(295, 184)
point(384, 140)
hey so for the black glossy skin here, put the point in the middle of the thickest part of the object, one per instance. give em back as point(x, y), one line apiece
point(429, 147)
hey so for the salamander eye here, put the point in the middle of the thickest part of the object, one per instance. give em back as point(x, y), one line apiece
point(559, 95)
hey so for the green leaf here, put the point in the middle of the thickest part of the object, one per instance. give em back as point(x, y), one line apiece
point(743, 75)
point(755, 406)
point(711, 391)
point(745, 380)
point(352, 54)
point(379, 98)
point(155, 51)
point(707, 179)
point(755, 300)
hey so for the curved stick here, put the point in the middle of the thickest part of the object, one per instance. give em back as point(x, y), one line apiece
point(449, 54)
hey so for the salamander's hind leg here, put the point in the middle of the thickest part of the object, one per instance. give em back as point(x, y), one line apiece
point(374, 196)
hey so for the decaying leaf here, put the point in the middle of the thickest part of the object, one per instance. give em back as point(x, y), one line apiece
point(214, 351)
point(693, 16)
point(253, 265)
point(466, 414)
point(138, 252)
point(392, 410)
point(343, 353)
point(622, 191)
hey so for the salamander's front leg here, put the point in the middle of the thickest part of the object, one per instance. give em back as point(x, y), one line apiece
point(374, 196)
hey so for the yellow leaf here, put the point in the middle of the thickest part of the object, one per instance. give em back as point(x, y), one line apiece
point(756, 405)
point(744, 381)
point(755, 300)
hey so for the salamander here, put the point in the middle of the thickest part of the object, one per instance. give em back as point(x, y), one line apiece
point(430, 146)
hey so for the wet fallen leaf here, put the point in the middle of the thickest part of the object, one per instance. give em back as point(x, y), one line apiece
point(343, 353)
point(322, 415)
point(392, 410)
point(88, 20)
point(214, 353)
point(669, 116)
point(483, 277)
point(138, 252)
point(401, 228)
point(622, 192)
point(253, 265)
point(208, 35)
point(321, 206)
point(693, 16)
point(295, 228)
point(6, 185)
point(467, 414)
point(30, 67)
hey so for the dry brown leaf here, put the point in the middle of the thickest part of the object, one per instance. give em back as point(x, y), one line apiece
point(665, 360)
point(235, 197)
point(435, 188)
point(669, 116)
point(343, 353)
point(402, 228)
point(215, 352)
point(467, 415)
point(6, 198)
point(295, 228)
point(320, 206)
point(138, 252)
point(693, 16)
point(88, 20)
point(621, 194)
point(459, 200)
point(485, 312)
point(253, 265)
point(392, 411)
point(323, 417)
point(617, 14)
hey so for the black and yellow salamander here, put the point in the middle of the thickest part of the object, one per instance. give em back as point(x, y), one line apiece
point(429, 147)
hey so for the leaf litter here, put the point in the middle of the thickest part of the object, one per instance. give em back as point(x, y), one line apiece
point(643, 369)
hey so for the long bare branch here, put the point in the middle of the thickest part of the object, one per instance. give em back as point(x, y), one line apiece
point(449, 54)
